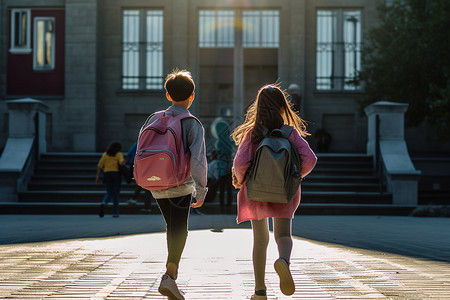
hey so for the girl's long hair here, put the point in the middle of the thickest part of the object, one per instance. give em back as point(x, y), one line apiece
point(265, 111)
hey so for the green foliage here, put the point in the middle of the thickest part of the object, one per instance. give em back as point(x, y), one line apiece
point(407, 59)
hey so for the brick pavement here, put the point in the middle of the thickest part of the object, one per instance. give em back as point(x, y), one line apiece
point(217, 264)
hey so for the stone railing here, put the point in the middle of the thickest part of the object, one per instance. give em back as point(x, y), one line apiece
point(401, 175)
point(26, 141)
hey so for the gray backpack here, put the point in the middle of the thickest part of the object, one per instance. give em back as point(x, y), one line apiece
point(274, 175)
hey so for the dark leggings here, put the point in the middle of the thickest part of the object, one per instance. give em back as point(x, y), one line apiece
point(176, 213)
point(112, 181)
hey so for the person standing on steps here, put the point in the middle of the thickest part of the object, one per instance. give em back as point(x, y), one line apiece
point(109, 164)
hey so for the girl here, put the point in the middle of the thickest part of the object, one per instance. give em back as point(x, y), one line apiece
point(109, 163)
point(270, 110)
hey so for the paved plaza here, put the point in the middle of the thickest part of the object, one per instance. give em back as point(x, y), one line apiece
point(334, 257)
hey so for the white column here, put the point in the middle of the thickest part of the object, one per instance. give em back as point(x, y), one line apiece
point(238, 78)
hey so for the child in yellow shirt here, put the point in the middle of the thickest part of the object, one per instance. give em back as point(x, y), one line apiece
point(109, 163)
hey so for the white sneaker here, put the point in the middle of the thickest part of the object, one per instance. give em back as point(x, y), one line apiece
point(169, 288)
point(132, 202)
point(287, 285)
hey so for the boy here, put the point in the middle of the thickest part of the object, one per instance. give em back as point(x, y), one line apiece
point(175, 202)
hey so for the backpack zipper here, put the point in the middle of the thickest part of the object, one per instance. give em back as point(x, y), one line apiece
point(159, 150)
point(161, 132)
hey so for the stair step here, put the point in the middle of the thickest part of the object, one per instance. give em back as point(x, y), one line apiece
point(346, 164)
point(68, 196)
point(66, 171)
point(340, 186)
point(319, 178)
point(344, 158)
point(71, 155)
point(75, 186)
point(342, 171)
point(65, 177)
point(64, 167)
point(346, 197)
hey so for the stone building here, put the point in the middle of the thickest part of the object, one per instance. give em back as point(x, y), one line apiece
point(99, 65)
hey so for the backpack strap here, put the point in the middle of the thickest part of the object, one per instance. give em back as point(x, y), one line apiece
point(158, 114)
point(286, 130)
point(161, 113)
point(187, 115)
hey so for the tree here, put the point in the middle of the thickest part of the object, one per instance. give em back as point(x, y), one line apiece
point(407, 59)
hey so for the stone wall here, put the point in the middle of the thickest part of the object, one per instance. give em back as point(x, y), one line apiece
point(78, 119)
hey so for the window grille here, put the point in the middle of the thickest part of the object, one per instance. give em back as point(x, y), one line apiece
point(338, 49)
point(261, 29)
point(142, 50)
point(216, 28)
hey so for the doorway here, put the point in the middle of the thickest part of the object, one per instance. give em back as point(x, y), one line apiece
point(235, 61)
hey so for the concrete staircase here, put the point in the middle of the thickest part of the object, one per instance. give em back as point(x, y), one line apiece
point(68, 178)
point(343, 179)
point(340, 184)
point(346, 184)
point(64, 183)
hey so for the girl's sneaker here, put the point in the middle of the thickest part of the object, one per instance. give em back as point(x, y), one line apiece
point(169, 288)
point(101, 210)
point(287, 285)
point(257, 297)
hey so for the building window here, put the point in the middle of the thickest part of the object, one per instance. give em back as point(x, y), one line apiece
point(338, 50)
point(261, 29)
point(142, 50)
point(20, 31)
point(216, 28)
point(44, 43)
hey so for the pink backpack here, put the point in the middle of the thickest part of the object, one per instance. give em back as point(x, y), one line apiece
point(161, 162)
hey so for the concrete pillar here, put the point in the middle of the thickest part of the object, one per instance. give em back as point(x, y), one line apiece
point(80, 108)
point(238, 71)
point(402, 176)
point(22, 120)
point(18, 157)
point(392, 117)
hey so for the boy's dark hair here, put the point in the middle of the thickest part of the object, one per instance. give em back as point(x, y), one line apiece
point(179, 85)
point(113, 148)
